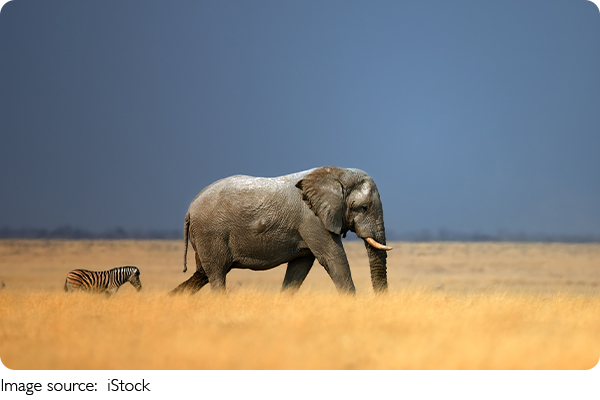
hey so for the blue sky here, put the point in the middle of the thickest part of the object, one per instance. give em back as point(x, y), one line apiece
point(470, 115)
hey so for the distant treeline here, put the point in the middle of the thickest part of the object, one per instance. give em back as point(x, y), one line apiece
point(446, 235)
point(68, 232)
point(442, 235)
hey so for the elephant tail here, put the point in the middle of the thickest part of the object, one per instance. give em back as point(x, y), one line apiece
point(186, 230)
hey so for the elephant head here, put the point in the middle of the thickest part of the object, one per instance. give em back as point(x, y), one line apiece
point(348, 200)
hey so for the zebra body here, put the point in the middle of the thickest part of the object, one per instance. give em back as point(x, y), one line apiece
point(102, 281)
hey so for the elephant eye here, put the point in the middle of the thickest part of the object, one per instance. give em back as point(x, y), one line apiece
point(364, 208)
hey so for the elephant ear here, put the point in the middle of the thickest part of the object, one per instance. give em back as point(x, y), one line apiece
point(324, 194)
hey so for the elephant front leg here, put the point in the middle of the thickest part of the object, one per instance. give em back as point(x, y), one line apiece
point(329, 251)
point(296, 272)
point(340, 275)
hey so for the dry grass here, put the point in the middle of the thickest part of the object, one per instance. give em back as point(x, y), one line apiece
point(451, 306)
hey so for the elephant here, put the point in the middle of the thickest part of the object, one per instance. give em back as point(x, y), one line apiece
point(260, 223)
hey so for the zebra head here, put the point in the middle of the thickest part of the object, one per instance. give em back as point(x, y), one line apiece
point(134, 278)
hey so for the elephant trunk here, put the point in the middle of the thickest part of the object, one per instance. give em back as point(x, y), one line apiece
point(378, 264)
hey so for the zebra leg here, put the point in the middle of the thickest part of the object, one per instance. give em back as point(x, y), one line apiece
point(110, 291)
point(195, 283)
point(70, 287)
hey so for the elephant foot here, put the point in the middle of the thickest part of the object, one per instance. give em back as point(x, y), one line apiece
point(192, 285)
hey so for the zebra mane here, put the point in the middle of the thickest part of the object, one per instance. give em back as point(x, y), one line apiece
point(127, 268)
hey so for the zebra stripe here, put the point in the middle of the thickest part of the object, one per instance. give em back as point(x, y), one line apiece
point(102, 281)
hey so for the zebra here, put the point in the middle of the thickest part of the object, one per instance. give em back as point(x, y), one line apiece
point(103, 281)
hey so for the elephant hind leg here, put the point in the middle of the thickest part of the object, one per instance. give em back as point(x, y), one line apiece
point(195, 283)
point(216, 266)
point(217, 281)
point(296, 272)
point(192, 285)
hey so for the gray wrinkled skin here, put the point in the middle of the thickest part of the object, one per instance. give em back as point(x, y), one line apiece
point(260, 223)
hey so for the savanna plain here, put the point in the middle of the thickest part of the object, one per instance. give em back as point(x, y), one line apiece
point(449, 306)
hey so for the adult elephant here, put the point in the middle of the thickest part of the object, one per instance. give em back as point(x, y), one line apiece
point(260, 223)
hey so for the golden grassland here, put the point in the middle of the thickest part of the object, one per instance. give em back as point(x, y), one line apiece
point(450, 306)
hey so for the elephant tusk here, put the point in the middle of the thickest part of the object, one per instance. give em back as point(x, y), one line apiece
point(377, 245)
